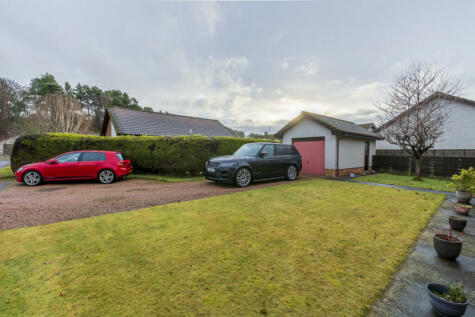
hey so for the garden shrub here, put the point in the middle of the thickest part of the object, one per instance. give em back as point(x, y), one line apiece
point(465, 181)
point(181, 155)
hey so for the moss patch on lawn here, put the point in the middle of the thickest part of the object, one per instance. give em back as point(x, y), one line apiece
point(314, 248)
point(6, 174)
point(403, 180)
point(165, 178)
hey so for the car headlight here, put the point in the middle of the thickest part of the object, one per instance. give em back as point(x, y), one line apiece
point(19, 170)
point(226, 164)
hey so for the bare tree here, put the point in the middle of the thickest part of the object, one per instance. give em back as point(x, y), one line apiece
point(58, 113)
point(5, 102)
point(414, 113)
point(13, 106)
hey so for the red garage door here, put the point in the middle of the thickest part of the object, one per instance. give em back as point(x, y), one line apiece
point(313, 156)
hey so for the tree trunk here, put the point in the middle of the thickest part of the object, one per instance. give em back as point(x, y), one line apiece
point(418, 168)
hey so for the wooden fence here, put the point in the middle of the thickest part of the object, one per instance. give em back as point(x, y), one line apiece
point(441, 166)
point(432, 152)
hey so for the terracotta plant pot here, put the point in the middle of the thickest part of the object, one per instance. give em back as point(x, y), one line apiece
point(457, 223)
point(462, 209)
point(442, 306)
point(447, 248)
point(463, 197)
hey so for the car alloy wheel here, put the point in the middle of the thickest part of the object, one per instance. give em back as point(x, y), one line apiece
point(106, 176)
point(32, 178)
point(292, 172)
point(243, 177)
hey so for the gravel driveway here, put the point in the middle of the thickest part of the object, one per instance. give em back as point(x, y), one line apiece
point(23, 206)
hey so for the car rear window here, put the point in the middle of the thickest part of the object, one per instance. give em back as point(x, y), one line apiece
point(93, 156)
point(119, 156)
point(283, 150)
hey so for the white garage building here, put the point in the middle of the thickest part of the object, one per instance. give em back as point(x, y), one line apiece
point(330, 146)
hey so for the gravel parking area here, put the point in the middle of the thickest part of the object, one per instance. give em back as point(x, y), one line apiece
point(23, 206)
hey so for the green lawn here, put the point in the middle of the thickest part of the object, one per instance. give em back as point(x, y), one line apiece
point(313, 248)
point(165, 178)
point(6, 173)
point(403, 180)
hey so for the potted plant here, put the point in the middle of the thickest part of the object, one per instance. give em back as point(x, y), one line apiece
point(448, 300)
point(446, 245)
point(457, 223)
point(464, 184)
point(462, 209)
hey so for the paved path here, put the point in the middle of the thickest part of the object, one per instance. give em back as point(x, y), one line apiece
point(407, 295)
point(3, 184)
point(400, 187)
point(4, 163)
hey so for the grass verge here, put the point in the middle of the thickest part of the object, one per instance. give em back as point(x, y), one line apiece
point(6, 174)
point(403, 180)
point(320, 248)
point(165, 178)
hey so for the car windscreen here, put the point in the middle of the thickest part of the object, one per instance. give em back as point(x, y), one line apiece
point(248, 150)
point(119, 156)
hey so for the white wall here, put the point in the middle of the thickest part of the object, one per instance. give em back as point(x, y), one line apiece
point(459, 132)
point(113, 132)
point(352, 152)
point(308, 128)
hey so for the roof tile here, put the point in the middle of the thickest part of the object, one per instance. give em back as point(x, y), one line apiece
point(337, 126)
point(137, 122)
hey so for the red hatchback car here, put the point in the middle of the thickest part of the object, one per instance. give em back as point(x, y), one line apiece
point(105, 166)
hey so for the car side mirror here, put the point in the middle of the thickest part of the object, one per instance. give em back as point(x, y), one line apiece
point(52, 161)
point(262, 154)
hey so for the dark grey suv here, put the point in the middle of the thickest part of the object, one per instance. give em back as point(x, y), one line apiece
point(255, 162)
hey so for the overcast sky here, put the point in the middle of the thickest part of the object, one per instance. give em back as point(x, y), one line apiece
point(253, 66)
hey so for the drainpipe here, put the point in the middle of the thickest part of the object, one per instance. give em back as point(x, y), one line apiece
point(337, 156)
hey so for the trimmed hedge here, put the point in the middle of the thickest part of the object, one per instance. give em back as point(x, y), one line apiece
point(182, 155)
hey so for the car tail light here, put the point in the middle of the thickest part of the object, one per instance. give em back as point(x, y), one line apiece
point(124, 163)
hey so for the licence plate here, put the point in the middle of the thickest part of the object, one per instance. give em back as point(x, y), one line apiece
point(210, 169)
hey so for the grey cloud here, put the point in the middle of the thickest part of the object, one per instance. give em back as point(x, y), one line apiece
point(253, 126)
point(254, 66)
point(361, 116)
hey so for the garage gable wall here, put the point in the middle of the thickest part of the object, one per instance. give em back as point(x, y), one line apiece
point(113, 132)
point(308, 128)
